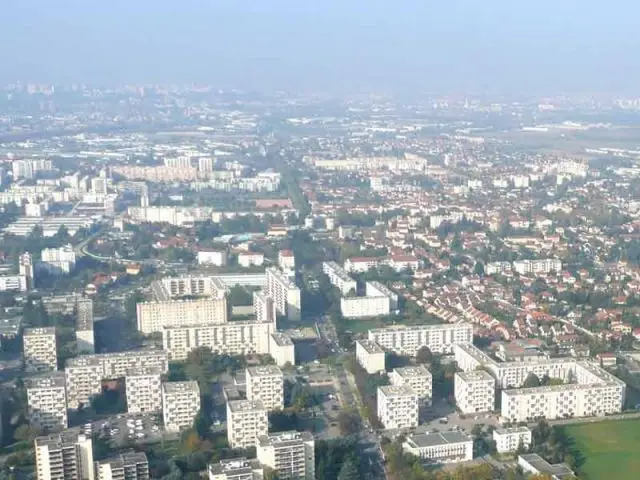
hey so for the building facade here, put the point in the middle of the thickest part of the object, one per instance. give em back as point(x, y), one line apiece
point(418, 378)
point(407, 340)
point(370, 356)
point(291, 455)
point(445, 447)
point(246, 421)
point(47, 402)
point(180, 404)
point(474, 391)
point(143, 388)
point(266, 384)
point(397, 407)
point(39, 350)
point(64, 456)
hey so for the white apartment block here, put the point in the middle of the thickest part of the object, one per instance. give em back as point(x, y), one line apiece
point(363, 307)
point(266, 384)
point(18, 283)
point(217, 258)
point(250, 259)
point(47, 401)
point(28, 168)
point(246, 421)
point(233, 338)
point(339, 277)
point(84, 374)
point(285, 294)
point(264, 307)
point(290, 454)
point(282, 349)
point(58, 261)
point(64, 456)
point(469, 357)
point(509, 439)
point(370, 356)
point(444, 447)
point(407, 340)
point(497, 267)
point(153, 316)
point(418, 378)
point(180, 404)
point(528, 267)
point(39, 349)
point(363, 264)
point(236, 469)
point(397, 407)
point(377, 289)
point(143, 389)
point(127, 466)
point(475, 391)
point(286, 260)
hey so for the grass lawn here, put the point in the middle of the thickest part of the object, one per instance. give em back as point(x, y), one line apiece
point(610, 448)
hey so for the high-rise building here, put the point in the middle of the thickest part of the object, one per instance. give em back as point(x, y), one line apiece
point(246, 421)
point(475, 391)
point(206, 164)
point(370, 356)
point(266, 383)
point(47, 401)
point(407, 340)
point(64, 456)
point(285, 294)
point(143, 389)
point(58, 261)
point(85, 338)
point(25, 263)
point(39, 349)
point(180, 404)
point(264, 307)
point(397, 406)
point(127, 466)
point(291, 455)
point(236, 469)
point(418, 378)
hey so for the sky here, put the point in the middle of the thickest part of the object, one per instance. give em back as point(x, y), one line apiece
point(451, 46)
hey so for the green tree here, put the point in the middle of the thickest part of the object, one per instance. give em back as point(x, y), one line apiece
point(424, 355)
point(531, 381)
point(348, 471)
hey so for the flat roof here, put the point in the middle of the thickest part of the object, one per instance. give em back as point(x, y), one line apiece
point(281, 339)
point(245, 405)
point(370, 346)
point(51, 380)
point(542, 466)
point(413, 371)
point(475, 376)
point(284, 438)
point(39, 331)
point(511, 430)
point(179, 387)
point(396, 390)
point(422, 440)
point(264, 371)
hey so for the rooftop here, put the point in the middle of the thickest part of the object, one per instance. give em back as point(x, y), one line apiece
point(396, 391)
point(559, 470)
point(281, 339)
point(51, 380)
point(264, 371)
point(423, 440)
point(235, 466)
point(245, 405)
point(409, 372)
point(370, 346)
point(28, 332)
point(181, 387)
point(511, 430)
point(284, 438)
point(475, 376)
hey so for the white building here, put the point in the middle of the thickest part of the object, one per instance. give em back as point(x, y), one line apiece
point(407, 340)
point(236, 469)
point(497, 267)
point(444, 447)
point(363, 264)
point(64, 456)
point(377, 289)
point(534, 464)
point(266, 384)
point(180, 404)
point(153, 316)
point(509, 439)
point(39, 349)
point(363, 307)
point(209, 256)
point(533, 267)
point(29, 168)
point(370, 356)
point(19, 283)
point(58, 261)
point(85, 339)
point(282, 349)
point(285, 294)
point(339, 277)
point(290, 454)
point(475, 391)
point(286, 260)
point(47, 401)
point(397, 406)
point(264, 307)
point(246, 421)
point(250, 259)
point(418, 378)
point(127, 466)
point(143, 388)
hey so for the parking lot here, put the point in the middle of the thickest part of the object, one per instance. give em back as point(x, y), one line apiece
point(124, 429)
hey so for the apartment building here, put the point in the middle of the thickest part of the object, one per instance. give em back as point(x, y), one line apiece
point(285, 294)
point(443, 447)
point(286, 260)
point(291, 455)
point(233, 338)
point(264, 307)
point(370, 356)
point(397, 406)
point(210, 256)
point(127, 466)
point(246, 421)
point(19, 283)
point(418, 378)
point(64, 456)
point(39, 350)
point(250, 259)
point(153, 316)
point(282, 349)
point(377, 289)
point(339, 278)
point(469, 357)
point(266, 384)
point(143, 389)
point(364, 307)
point(180, 404)
point(529, 267)
point(407, 340)
point(28, 168)
point(57, 261)
point(236, 469)
point(47, 401)
point(84, 374)
point(474, 391)
point(509, 439)
point(85, 338)
point(363, 264)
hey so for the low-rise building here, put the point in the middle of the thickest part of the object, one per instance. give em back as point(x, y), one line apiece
point(534, 464)
point(290, 454)
point(510, 439)
point(370, 356)
point(474, 391)
point(397, 406)
point(246, 421)
point(180, 404)
point(443, 447)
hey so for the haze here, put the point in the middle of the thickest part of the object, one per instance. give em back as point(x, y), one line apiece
point(496, 45)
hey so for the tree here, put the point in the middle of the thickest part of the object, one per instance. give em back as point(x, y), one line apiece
point(478, 268)
point(202, 424)
point(349, 422)
point(348, 471)
point(531, 381)
point(424, 355)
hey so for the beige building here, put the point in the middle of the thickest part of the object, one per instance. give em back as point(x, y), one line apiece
point(47, 401)
point(39, 350)
point(128, 466)
point(290, 454)
point(266, 384)
point(397, 406)
point(180, 404)
point(285, 294)
point(370, 356)
point(264, 307)
point(143, 388)
point(153, 316)
point(407, 340)
point(440, 447)
point(282, 349)
point(475, 391)
point(246, 421)
point(64, 456)
point(418, 378)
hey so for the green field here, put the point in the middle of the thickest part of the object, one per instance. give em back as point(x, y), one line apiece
point(611, 449)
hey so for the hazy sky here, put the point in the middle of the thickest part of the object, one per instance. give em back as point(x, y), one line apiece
point(449, 45)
